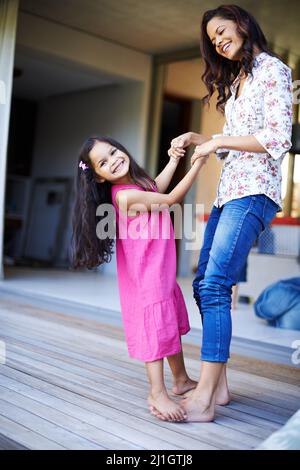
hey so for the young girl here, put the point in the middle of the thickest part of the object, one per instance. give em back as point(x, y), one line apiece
point(153, 309)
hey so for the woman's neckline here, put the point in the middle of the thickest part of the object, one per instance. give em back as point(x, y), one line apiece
point(246, 78)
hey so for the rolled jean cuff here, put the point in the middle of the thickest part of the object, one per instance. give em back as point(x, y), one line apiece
point(222, 358)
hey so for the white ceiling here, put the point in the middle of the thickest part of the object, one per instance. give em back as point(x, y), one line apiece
point(156, 26)
point(150, 26)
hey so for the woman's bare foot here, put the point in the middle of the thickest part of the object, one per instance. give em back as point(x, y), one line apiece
point(223, 397)
point(222, 393)
point(197, 410)
point(164, 408)
point(182, 386)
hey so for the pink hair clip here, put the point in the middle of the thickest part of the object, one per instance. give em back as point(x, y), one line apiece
point(83, 165)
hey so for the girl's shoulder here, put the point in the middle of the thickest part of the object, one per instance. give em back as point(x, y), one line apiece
point(119, 187)
point(115, 188)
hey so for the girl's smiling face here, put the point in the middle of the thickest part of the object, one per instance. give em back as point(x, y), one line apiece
point(225, 38)
point(109, 163)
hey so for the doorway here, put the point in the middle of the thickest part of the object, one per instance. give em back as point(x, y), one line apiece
point(176, 120)
point(45, 231)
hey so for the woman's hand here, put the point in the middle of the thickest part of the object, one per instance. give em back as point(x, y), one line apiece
point(182, 141)
point(204, 149)
point(189, 138)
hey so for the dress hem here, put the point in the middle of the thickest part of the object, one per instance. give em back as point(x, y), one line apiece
point(157, 358)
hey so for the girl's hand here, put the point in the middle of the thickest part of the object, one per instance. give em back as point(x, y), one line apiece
point(200, 161)
point(175, 154)
point(204, 150)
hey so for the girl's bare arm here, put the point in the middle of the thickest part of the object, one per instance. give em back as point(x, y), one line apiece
point(164, 178)
point(134, 200)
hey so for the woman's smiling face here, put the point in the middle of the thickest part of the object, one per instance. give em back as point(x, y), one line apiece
point(109, 163)
point(225, 38)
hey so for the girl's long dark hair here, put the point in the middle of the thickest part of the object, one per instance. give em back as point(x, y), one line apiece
point(87, 250)
point(220, 72)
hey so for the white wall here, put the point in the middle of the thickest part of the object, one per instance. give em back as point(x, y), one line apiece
point(65, 121)
point(63, 45)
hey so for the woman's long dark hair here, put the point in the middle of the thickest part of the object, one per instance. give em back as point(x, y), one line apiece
point(87, 250)
point(220, 72)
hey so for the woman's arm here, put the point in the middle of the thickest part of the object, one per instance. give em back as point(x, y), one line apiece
point(189, 138)
point(247, 143)
point(275, 137)
point(276, 134)
point(134, 200)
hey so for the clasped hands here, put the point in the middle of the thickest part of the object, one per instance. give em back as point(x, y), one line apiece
point(202, 150)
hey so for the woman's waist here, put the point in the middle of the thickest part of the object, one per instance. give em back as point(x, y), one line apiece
point(250, 159)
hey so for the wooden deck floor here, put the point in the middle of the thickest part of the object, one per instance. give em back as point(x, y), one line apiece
point(68, 384)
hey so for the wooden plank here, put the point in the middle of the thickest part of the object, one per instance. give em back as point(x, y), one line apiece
point(25, 437)
point(290, 404)
point(105, 397)
point(9, 444)
point(216, 439)
point(242, 418)
point(256, 367)
point(94, 387)
point(239, 398)
point(132, 408)
point(97, 373)
point(296, 394)
point(12, 408)
point(115, 421)
point(71, 433)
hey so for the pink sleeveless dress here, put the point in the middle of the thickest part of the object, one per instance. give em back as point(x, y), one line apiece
point(153, 309)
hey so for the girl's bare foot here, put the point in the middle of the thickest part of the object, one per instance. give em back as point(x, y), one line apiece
point(182, 386)
point(164, 408)
point(197, 410)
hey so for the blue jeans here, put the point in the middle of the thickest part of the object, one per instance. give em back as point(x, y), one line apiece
point(230, 233)
point(279, 304)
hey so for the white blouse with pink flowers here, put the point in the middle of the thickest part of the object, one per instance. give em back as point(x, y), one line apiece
point(264, 110)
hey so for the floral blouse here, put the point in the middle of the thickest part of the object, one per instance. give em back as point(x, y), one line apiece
point(264, 110)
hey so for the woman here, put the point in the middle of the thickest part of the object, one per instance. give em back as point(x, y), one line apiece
point(255, 85)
